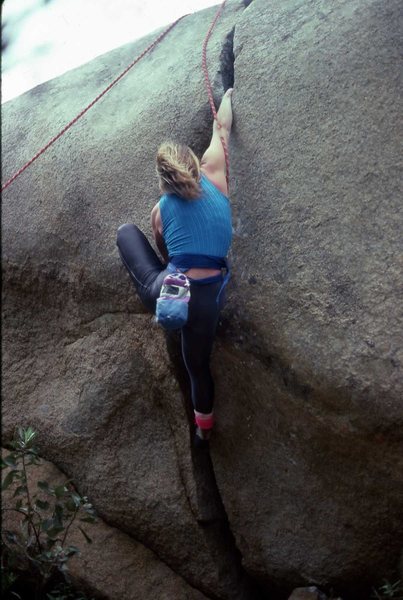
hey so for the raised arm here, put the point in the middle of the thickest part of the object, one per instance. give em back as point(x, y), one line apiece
point(213, 160)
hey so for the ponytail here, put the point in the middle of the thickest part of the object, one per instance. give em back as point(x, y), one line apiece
point(178, 170)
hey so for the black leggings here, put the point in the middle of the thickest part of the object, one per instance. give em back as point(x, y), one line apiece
point(147, 273)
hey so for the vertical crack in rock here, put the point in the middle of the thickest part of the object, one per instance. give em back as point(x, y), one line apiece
point(208, 507)
point(246, 3)
point(205, 502)
point(227, 60)
point(210, 513)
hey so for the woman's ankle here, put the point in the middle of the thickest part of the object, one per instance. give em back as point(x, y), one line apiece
point(204, 421)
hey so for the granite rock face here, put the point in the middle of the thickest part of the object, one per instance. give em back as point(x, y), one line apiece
point(317, 405)
point(113, 565)
point(307, 456)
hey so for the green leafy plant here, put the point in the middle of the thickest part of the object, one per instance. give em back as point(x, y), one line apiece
point(388, 590)
point(38, 551)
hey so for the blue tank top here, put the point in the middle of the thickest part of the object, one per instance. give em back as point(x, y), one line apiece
point(197, 227)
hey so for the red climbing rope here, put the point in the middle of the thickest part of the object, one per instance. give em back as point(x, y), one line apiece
point(148, 49)
point(73, 121)
point(209, 89)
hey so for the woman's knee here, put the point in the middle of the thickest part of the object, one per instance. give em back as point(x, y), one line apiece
point(124, 229)
point(129, 236)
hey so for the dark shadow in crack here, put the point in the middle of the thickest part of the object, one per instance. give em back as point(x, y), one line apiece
point(212, 516)
point(227, 60)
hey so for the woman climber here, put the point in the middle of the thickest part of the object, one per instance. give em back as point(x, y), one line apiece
point(192, 229)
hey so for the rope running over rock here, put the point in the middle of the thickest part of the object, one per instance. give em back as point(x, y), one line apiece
point(115, 81)
point(73, 121)
point(209, 89)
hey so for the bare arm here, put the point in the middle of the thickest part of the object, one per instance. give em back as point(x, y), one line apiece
point(213, 160)
point(156, 225)
point(224, 114)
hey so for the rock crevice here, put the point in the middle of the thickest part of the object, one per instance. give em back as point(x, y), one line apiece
point(205, 499)
point(227, 60)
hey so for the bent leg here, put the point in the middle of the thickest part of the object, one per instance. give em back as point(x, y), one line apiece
point(144, 267)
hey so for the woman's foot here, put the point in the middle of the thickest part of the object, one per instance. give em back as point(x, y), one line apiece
point(203, 434)
point(201, 438)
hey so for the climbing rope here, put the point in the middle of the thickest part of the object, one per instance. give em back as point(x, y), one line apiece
point(209, 89)
point(115, 81)
point(73, 121)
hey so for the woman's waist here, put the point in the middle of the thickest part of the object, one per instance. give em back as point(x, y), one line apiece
point(198, 262)
point(198, 273)
point(199, 268)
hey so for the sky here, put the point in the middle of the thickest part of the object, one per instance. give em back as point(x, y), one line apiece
point(49, 37)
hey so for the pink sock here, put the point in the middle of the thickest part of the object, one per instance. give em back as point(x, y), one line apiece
point(203, 420)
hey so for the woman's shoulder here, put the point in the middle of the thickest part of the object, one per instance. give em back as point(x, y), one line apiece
point(164, 200)
point(214, 183)
point(168, 205)
point(162, 206)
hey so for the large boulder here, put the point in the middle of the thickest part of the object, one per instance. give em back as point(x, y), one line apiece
point(83, 362)
point(307, 454)
point(313, 428)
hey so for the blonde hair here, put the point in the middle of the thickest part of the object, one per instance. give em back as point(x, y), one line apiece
point(178, 170)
